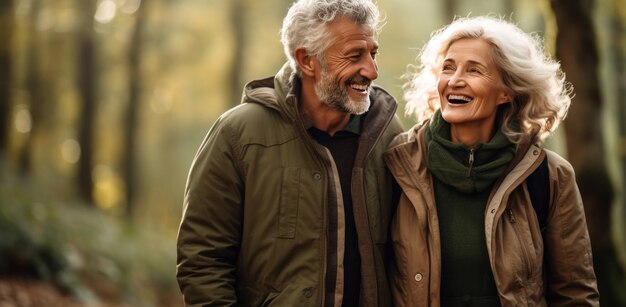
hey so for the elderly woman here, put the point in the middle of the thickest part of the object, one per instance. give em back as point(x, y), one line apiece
point(476, 188)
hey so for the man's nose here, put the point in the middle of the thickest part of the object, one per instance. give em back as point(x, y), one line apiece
point(370, 69)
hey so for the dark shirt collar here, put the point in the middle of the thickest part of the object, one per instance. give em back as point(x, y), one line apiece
point(352, 127)
point(354, 124)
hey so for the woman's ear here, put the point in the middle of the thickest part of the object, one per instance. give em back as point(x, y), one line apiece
point(306, 62)
point(505, 97)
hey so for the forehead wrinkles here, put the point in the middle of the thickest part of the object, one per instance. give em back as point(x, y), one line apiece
point(471, 51)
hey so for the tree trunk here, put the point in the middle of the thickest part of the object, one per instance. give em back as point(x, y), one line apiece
point(36, 89)
point(617, 43)
point(509, 7)
point(6, 32)
point(134, 101)
point(237, 12)
point(449, 9)
point(87, 88)
point(576, 49)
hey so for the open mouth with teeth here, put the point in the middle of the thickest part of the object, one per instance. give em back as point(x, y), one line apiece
point(362, 88)
point(459, 99)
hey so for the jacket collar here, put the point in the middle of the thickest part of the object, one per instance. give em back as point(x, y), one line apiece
point(467, 170)
point(407, 160)
point(281, 93)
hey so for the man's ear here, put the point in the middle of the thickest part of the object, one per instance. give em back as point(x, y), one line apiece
point(306, 62)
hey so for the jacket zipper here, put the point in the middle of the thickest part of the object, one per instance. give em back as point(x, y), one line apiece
point(511, 217)
point(470, 162)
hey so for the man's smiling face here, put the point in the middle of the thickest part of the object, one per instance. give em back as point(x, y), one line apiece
point(348, 68)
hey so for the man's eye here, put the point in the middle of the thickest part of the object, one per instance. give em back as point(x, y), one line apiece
point(374, 54)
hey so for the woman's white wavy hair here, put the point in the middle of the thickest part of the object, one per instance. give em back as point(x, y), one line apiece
point(541, 94)
point(305, 24)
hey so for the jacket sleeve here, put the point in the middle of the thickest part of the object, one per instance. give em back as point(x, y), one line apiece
point(210, 231)
point(571, 278)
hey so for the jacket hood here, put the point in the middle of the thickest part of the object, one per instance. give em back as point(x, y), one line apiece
point(274, 92)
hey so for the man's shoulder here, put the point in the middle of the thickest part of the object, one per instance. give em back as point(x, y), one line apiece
point(248, 113)
point(255, 123)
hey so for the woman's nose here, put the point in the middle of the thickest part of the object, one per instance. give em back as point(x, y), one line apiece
point(456, 80)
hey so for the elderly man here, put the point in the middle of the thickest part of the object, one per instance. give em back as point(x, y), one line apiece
point(288, 201)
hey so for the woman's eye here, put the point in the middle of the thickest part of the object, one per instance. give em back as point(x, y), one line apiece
point(447, 68)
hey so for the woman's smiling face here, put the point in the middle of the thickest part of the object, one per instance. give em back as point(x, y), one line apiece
point(470, 86)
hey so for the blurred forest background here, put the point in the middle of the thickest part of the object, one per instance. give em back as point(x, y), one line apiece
point(103, 104)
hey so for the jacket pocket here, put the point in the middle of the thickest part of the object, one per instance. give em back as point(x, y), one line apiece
point(255, 297)
point(524, 244)
point(289, 198)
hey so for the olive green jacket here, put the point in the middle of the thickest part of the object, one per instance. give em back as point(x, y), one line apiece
point(530, 267)
point(262, 198)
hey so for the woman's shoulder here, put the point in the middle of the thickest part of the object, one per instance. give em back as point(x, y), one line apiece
point(558, 167)
point(409, 137)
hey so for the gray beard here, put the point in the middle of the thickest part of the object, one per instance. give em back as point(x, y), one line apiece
point(335, 95)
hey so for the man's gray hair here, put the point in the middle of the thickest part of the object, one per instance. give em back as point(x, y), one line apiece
point(305, 24)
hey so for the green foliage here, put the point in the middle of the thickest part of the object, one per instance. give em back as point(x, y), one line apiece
point(93, 256)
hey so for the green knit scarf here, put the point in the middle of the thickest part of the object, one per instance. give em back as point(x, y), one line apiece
point(450, 162)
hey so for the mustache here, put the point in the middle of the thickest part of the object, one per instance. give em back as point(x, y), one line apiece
point(359, 79)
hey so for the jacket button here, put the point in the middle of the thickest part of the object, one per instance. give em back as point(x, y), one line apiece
point(308, 292)
point(317, 176)
point(418, 277)
point(535, 152)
